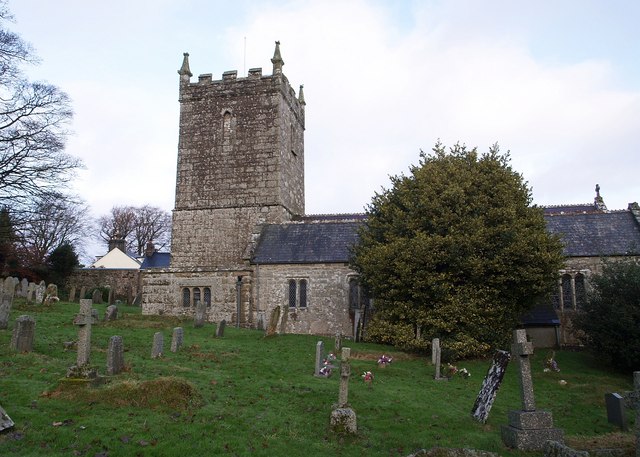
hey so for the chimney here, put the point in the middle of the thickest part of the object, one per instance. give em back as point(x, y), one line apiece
point(150, 249)
point(117, 241)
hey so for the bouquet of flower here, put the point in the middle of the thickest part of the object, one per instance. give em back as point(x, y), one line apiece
point(331, 357)
point(450, 371)
point(550, 364)
point(464, 373)
point(368, 378)
point(384, 360)
point(325, 370)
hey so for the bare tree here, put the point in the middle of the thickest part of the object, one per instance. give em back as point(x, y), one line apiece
point(136, 225)
point(33, 128)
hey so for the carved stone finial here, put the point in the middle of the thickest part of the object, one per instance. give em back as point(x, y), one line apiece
point(599, 201)
point(301, 96)
point(277, 60)
point(184, 71)
point(597, 190)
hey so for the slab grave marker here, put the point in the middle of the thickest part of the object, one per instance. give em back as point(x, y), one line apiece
point(40, 288)
point(435, 349)
point(83, 320)
point(83, 292)
point(72, 294)
point(6, 302)
point(273, 321)
point(490, 386)
point(23, 334)
point(435, 346)
point(5, 420)
point(110, 297)
point(97, 296)
point(528, 429)
point(31, 293)
point(220, 328)
point(9, 286)
point(201, 310)
point(111, 313)
point(615, 403)
point(24, 287)
point(176, 339)
point(115, 355)
point(343, 418)
point(319, 358)
point(158, 343)
point(51, 294)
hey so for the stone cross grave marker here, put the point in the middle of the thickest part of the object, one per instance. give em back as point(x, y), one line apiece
point(23, 334)
point(528, 429)
point(220, 329)
point(201, 310)
point(319, 358)
point(345, 373)
point(337, 347)
point(176, 339)
point(158, 343)
point(5, 420)
point(490, 386)
point(6, 302)
point(343, 418)
point(115, 355)
point(83, 320)
point(437, 354)
point(273, 321)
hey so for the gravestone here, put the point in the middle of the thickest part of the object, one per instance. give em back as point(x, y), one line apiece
point(72, 294)
point(31, 293)
point(110, 297)
point(319, 358)
point(343, 418)
point(83, 320)
point(111, 313)
point(490, 386)
point(176, 339)
point(24, 287)
point(158, 343)
point(40, 288)
point(23, 334)
point(436, 355)
point(9, 286)
point(83, 292)
point(337, 345)
point(51, 294)
point(273, 321)
point(6, 302)
point(5, 420)
point(115, 355)
point(220, 329)
point(97, 296)
point(357, 316)
point(528, 429)
point(555, 449)
point(201, 309)
point(615, 410)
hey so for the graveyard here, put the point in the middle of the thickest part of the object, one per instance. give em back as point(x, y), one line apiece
point(177, 385)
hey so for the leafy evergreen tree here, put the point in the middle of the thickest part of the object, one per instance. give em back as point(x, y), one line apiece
point(8, 238)
point(456, 251)
point(611, 316)
point(61, 263)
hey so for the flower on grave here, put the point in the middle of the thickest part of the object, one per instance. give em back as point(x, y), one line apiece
point(325, 370)
point(450, 371)
point(330, 357)
point(367, 376)
point(562, 382)
point(464, 373)
point(384, 360)
point(550, 364)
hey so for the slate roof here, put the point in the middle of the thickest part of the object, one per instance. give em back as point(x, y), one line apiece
point(316, 239)
point(596, 234)
point(157, 260)
point(541, 315)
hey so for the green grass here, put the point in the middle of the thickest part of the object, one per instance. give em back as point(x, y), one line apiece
point(245, 394)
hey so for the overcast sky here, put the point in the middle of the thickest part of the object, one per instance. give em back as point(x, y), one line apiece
point(557, 83)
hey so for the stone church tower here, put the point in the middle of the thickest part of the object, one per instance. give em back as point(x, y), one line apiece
point(240, 166)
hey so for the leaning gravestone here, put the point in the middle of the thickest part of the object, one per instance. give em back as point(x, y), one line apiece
point(343, 418)
point(115, 355)
point(6, 302)
point(158, 343)
point(273, 321)
point(23, 334)
point(319, 358)
point(111, 313)
point(83, 320)
point(176, 339)
point(201, 310)
point(220, 329)
point(528, 428)
point(490, 386)
point(5, 420)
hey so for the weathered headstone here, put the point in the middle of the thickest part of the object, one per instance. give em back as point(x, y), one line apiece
point(111, 313)
point(51, 294)
point(40, 289)
point(176, 339)
point(23, 334)
point(6, 302)
point(5, 420)
point(343, 418)
point(337, 345)
point(435, 346)
point(24, 287)
point(9, 286)
point(220, 329)
point(437, 355)
point(97, 296)
point(31, 293)
point(490, 386)
point(83, 292)
point(319, 358)
point(201, 310)
point(115, 355)
point(110, 297)
point(158, 343)
point(615, 410)
point(83, 320)
point(72, 294)
point(528, 429)
point(273, 321)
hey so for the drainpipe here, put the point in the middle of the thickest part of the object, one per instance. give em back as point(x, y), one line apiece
point(238, 290)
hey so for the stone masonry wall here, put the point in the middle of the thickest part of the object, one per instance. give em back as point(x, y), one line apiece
point(125, 283)
point(327, 310)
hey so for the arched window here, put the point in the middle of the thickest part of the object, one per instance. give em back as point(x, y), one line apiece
point(303, 293)
point(196, 295)
point(186, 297)
point(292, 293)
point(354, 299)
point(207, 296)
point(581, 290)
point(567, 292)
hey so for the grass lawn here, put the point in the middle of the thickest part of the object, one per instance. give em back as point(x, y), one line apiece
point(245, 394)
